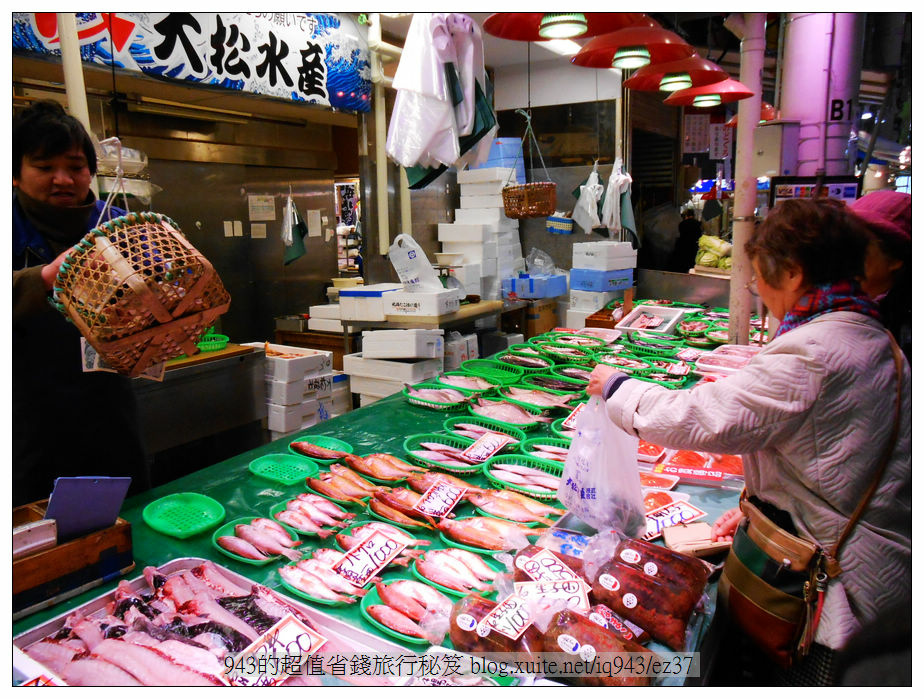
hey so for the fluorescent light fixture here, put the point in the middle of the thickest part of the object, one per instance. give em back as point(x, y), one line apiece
point(631, 57)
point(671, 82)
point(706, 100)
point(562, 25)
point(563, 47)
point(867, 115)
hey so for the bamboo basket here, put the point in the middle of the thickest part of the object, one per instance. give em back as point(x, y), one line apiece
point(533, 199)
point(139, 292)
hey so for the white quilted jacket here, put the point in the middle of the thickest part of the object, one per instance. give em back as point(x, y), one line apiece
point(811, 415)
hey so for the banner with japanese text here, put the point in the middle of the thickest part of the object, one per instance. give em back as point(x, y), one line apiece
point(318, 58)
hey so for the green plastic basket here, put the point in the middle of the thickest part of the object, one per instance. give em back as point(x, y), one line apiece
point(487, 423)
point(567, 354)
point(339, 501)
point(280, 506)
point(525, 426)
point(493, 371)
point(183, 515)
point(323, 442)
point(673, 362)
point(630, 340)
point(286, 469)
point(608, 358)
point(576, 340)
point(529, 446)
point(692, 333)
point(227, 529)
point(558, 370)
point(412, 443)
point(314, 600)
point(490, 594)
point(476, 391)
point(212, 342)
point(667, 384)
point(556, 428)
point(526, 370)
point(433, 405)
point(537, 381)
point(712, 334)
point(474, 549)
point(701, 342)
point(523, 404)
point(372, 598)
point(523, 460)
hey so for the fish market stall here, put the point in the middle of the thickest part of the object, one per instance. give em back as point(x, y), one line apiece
point(290, 510)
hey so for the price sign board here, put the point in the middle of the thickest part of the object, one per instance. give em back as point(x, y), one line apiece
point(439, 499)
point(360, 564)
point(510, 617)
point(545, 566)
point(571, 421)
point(269, 660)
point(676, 513)
point(486, 446)
point(572, 591)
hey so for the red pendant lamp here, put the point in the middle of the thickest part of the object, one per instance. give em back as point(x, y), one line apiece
point(633, 47)
point(767, 113)
point(710, 95)
point(675, 75)
point(543, 26)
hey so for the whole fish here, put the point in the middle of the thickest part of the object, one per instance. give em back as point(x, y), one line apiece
point(445, 570)
point(265, 542)
point(550, 456)
point(395, 620)
point(539, 508)
point(326, 506)
point(468, 433)
point(448, 396)
point(507, 412)
point(575, 373)
point(329, 577)
point(312, 513)
point(421, 482)
point(364, 530)
point(428, 597)
point(311, 585)
point(476, 383)
point(552, 382)
point(485, 532)
point(336, 488)
point(401, 499)
point(552, 448)
point(431, 455)
point(542, 399)
point(627, 362)
point(501, 507)
point(274, 529)
point(240, 547)
point(315, 452)
point(351, 475)
point(396, 599)
point(528, 362)
point(474, 563)
point(383, 467)
point(298, 520)
point(540, 482)
point(388, 512)
point(453, 452)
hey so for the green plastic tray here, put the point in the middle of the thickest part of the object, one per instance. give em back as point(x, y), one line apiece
point(488, 559)
point(314, 600)
point(476, 391)
point(323, 442)
point(433, 405)
point(557, 431)
point(642, 350)
point(279, 507)
point(530, 406)
point(529, 445)
point(525, 427)
point(412, 443)
point(286, 469)
point(587, 341)
point(378, 481)
point(557, 371)
point(553, 350)
point(487, 423)
point(698, 317)
point(371, 598)
point(550, 467)
point(492, 370)
point(524, 369)
point(342, 503)
point(227, 529)
point(183, 515)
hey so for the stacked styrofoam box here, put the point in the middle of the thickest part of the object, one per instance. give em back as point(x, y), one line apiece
point(594, 279)
point(460, 348)
point(325, 318)
point(341, 398)
point(298, 387)
point(482, 233)
point(376, 377)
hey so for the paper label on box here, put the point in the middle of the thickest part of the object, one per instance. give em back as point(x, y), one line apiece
point(510, 617)
point(363, 561)
point(676, 513)
point(268, 660)
point(571, 420)
point(571, 591)
point(439, 499)
point(486, 446)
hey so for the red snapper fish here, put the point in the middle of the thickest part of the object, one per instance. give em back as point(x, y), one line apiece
point(313, 451)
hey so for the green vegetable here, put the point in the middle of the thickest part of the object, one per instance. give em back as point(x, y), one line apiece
point(715, 244)
point(707, 259)
point(725, 262)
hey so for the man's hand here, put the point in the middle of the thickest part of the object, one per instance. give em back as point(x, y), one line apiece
point(599, 377)
point(724, 528)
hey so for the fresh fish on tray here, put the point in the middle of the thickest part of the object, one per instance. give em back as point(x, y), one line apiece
point(507, 412)
point(421, 482)
point(576, 373)
point(528, 362)
point(380, 506)
point(445, 570)
point(395, 620)
point(302, 522)
point(486, 532)
point(552, 382)
point(338, 488)
point(425, 595)
point(266, 542)
point(473, 431)
point(447, 396)
point(241, 547)
point(329, 508)
point(541, 399)
point(539, 508)
point(312, 585)
point(489, 502)
point(383, 466)
point(549, 455)
point(475, 383)
point(315, 452)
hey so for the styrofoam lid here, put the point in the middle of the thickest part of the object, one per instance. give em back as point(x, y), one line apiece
point(370, 291)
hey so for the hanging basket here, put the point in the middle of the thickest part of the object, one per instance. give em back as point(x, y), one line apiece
point(139, 292)
point(534, 199)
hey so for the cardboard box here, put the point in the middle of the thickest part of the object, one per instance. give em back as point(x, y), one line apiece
point(402, 344)
point(71, 567)
point(485, 174)
point(600, 280)
point(366, 302)
point(421, 303)
point(541, 316)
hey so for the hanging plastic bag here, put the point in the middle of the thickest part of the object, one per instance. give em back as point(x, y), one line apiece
point(585, 212)
point(600, 483)
point(293, 231)
point(411, 263)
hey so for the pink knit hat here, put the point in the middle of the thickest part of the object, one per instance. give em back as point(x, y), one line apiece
point(887, 213)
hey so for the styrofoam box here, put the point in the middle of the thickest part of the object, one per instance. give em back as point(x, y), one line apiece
point(328, 310)
point(671, 317)
point(575, 319)
point(366, 302)
point(464, 232)
point(489, 268)
point(603, 255)
point(472, 341)
point(489, 216)
point(601, 280)
point(421, 303)
point(477, 189)
point(483, 201)
point(487, 174)
point(292, 392)
point(507, 237)
point(467, 273)
point(507, 253)
point(307, 362)
point(407, 370)
point(285, 418)
point(591, 300)
point(402, 344)
point(326, 325)
point(455, 353)
point(375, 387)
point(473, 252)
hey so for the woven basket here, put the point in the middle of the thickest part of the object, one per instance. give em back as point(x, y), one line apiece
point(532, 200)
point(139, 292)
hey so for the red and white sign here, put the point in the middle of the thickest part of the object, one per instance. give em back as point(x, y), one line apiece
point(486, 446)
point(363, 561)
point(571, 421)
point(439, 499)
point(572, 591)
point(545, 566)
point(510, 618)
point(695, 133)
point(260, 663)
point(720, 141)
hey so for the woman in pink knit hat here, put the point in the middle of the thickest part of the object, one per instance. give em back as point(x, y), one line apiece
point(887, 280)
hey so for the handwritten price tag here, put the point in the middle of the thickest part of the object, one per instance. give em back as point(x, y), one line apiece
point(545, 566)
point(367, 558)
point(571, 421)
point(572, 591)
point(510, 618)
point(486, 446)
point(261, 663)
point(669, 515)
point(439, 499)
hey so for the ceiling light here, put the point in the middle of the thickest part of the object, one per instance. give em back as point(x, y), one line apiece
point(867, 115)
point(633, 47)
point(563, 47)
point(562, 25)
point(698, 72)
point(706, 100)
point(710, 95)
point(631, 57)
point(525, 26)
point(671, 82)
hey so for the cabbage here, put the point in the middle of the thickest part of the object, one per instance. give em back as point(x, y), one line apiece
point(707, 259)
point(725, 262)
point(715, 244)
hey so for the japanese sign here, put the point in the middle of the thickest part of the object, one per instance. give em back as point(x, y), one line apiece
point(486, 446)
point(545, 566)
point(510, 618)
point(570, 422)
point(695, 133)
point(720, 141)
point(669, 515)
point(317, 58)
point(289, 641)
point(367, 558)
point(439, 499)
point(571, 591)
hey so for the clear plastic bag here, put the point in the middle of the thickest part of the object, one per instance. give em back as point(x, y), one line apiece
point(600, 484)
point(539, 262)
point(585, 212)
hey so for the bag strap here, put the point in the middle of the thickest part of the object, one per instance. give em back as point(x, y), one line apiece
point(529, 132)
point(832, 566)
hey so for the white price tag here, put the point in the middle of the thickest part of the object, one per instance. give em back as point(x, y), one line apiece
point(571, 420)
point(439, 499)
point(363, 561)
point(676, 513)
point(510, 617)
point(545, 566)
point(572, 591)
point(270, 659)
point(486, 446)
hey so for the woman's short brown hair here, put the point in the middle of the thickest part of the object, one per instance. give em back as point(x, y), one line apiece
point(820, 236)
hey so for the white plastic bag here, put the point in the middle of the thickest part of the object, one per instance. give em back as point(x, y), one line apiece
point(600, 483)
point(411, 263)
point(585, 211)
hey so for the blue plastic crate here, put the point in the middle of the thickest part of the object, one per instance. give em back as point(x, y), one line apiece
point(504, 153)
point(599, 280)
point(536, 287)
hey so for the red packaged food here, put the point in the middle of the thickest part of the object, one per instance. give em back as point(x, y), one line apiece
point(655, 480)
point(663, 564)
point(470, 635)
point(683, 457)
point(729, 464)
point(607, 618)
point(570, 564)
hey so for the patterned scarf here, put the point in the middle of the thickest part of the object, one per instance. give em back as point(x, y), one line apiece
point(827, 298)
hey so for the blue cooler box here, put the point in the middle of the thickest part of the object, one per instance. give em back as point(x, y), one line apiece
point(536, 287)
point(598, 280)
point(504, 152)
